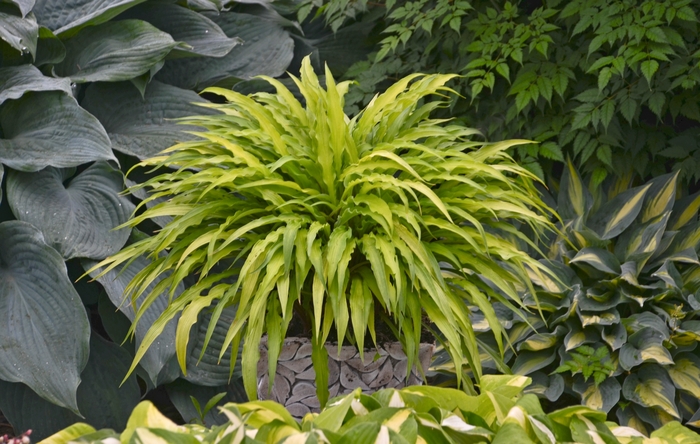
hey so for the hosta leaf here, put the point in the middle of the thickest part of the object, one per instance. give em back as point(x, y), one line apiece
point(203, 36)
point(609, 317)
point(643, 346)
point(578, 337)
point(68, 16)
point(49, 129)
point(651, 387)
point(685, 373)
point(574, 198)
point(44, 328)
point(103, 402)
point(143, 126)
point(615, 336)
point(676, 432)
point(210, 370)
point(684, 210)
point(603, 397)
point(660, 197)
point(267, 49)
point(639, 244)
point(163, 349)
point(49, 49)
point(181, 392)
point(114, 51)
point(17, 80)
point(551, 387)
point(598, 258)
point(528, 362)
point(77, 219)
point(20, 33)
point(613, 217)
point(25, 6)
point(542, 341)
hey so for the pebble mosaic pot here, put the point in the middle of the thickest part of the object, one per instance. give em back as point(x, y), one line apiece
point(294, 383)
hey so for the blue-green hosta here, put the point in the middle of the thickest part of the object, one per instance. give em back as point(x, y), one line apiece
point(389, 214)
point(622, 332)
point(82, 83)
point(421, 415)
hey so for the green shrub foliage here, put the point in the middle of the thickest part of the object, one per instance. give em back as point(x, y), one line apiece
point(390, 214)
point(501, 413)
point(87, 87)
point(612, 84)
point(622, 324)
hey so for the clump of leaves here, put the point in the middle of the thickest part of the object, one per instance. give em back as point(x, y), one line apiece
point(589, 362)
point(390, 213)
point(414, 414)
point(629, 262)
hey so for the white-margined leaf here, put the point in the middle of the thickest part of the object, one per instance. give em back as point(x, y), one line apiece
point(143, 126)
point(44, 329)
point(17, 80)
point(114, 51)
point(78, 218)
point(202, 35)
point(48, 128)
point(267, 49)
point(66, 17)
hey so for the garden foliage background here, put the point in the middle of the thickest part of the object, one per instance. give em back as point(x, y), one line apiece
point(87, 88)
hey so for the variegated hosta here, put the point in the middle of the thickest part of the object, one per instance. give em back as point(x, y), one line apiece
point(389, 214)
point(421, 415)
point(624, 335)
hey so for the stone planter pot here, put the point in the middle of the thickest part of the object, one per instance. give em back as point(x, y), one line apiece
point(295, 386)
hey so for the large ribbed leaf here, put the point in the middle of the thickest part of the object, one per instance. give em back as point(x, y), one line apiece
point(685, 373)
point(144, 126)
point(210, 371)
point(101, 400)
point(43, 324)
point(68, 16)
point(598, 258)
point(266, 49)
point(50, 129)
point(651, 387)
point(203, 36)
point(613, 217)
point(163, 349)
point(19, 33)
point(25, 6)
point(49, 48)
point(77, 219)
point(114, 51)
point(17, 80)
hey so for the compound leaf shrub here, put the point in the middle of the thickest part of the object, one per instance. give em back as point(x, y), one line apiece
point(611, 84)
point(501, 413)
point(281, 207)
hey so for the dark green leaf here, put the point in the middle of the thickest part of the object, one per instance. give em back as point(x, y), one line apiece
point(78, 220)
point(50, 129)
point(143, 127)
point(203, 36)
point(163, 350)
point(45, 330)
point(613, 217)
point(17, 80)
point(528, 362)
point(20, 33)
point(598, 258)
point(25, 6)
point(267, 49)
point(114, 51)
point(68, 16)
point(602, 397)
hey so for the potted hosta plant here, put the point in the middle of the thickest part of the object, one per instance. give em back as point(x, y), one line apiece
point(292, 211)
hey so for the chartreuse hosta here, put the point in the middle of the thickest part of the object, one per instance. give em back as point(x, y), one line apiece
point(622, 334)
point(421, 415)
point(281, 207)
